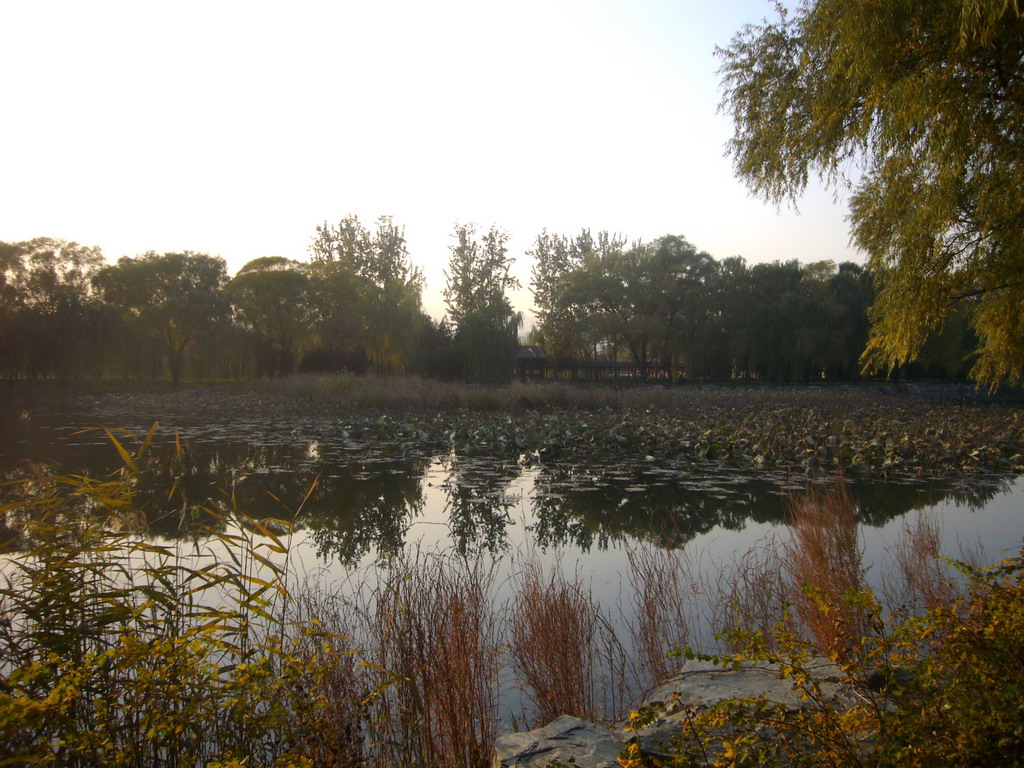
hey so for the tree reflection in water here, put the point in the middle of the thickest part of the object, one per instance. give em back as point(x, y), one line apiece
point(478, 504)
point(364, 502)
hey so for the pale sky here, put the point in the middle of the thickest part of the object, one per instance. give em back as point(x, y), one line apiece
point(235, 128)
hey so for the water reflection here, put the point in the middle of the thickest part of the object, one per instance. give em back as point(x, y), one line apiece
point(477, 503)
point(667, 508)
point(356, 503)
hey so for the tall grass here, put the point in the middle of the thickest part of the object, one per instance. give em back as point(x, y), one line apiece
point(335, 723)
point(404, 393)
point(825, 563)
point(117, 651)
point(434, 646)
point(753, 593)
point(918, 580)
point(663, 587)
point(569, 658)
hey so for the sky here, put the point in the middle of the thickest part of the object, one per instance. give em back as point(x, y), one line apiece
point(235, 128)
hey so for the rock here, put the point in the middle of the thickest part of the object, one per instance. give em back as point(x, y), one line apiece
point(701, 684)
point(698, 685)
point(589, 745)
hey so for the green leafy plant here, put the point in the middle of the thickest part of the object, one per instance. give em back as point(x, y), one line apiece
point(118, 651)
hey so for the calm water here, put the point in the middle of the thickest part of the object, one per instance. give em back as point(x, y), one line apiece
point(372, 500)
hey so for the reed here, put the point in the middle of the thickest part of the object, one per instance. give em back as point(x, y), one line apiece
point(917, 580)
point(119, 651)
point(415, 393)
point(752, 594)
point(434, 650)
point(568, 656)
point(824, 559)
point(330, 712)
point(662, 587)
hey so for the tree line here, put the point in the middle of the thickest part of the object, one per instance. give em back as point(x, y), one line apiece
point(667, 308)
point(662, 308)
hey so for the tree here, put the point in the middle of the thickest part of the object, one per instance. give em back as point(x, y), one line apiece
point(391, 286)
point(927, 97)
point(681, 280)
point(568, 328)
point(271, 299)
point(169, 298)
point(554, 257)
point(336, 299)
point(476, 282)
point(47, 306)
point(654, 298)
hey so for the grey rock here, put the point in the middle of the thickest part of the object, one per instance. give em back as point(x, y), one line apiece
point(589, 745)
point(701, 684)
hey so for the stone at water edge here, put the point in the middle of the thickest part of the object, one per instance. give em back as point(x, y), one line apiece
point(701, 684)
point(589, 745)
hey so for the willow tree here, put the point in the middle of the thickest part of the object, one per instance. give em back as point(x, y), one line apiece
point(917, 105)
point(271, 298)
point(171, 300)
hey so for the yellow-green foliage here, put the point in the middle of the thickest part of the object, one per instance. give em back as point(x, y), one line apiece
point(942, 689)
point(119, 652)
point(964, 704)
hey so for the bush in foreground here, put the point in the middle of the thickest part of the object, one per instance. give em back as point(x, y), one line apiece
point(943, 688)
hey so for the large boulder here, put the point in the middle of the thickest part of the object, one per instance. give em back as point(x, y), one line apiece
point(702, 684)
point(697, 686)
point(589, 745)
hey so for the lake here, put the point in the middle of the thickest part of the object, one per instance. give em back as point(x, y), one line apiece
point(355, 501)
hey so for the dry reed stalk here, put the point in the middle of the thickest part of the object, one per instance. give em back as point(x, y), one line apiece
point(415, 392)
point(753, 594)
point(923, 583)
point(566, 651)
point(553, 633)
point(662, 583)
point(434, 633)
point(334, 730)
point(825, 563)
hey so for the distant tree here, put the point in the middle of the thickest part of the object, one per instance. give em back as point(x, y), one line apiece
point(682, 280)
point(733, 300)
point(271, 300)
point(477, 279)
point(851, 289)
point(928, 99)
point(652, 298)
point(168, 298)
point(337, 304)
point(390, 286)
point(567, 328)
point(783, 322)
point(440, 350)
point(554, 258)
point(48, 308)
point(10, 308)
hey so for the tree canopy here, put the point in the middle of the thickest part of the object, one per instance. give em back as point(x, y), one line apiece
point(172, 298)
point(918, 106)
point(389, 286)
point(476, 284)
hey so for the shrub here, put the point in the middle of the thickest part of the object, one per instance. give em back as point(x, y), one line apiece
point(940, 688)
point(120, 652)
